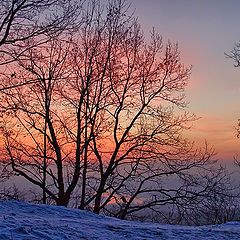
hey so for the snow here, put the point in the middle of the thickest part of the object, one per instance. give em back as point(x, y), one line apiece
point(19, 220)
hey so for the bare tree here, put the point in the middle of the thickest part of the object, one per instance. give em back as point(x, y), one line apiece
point(33, 21)
point(235, 54)
point(217, 205)
point(27, 23)
point(132, 92)
point(106, 110)
point(37, 141)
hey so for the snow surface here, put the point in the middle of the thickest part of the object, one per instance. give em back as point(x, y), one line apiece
point(19, 220)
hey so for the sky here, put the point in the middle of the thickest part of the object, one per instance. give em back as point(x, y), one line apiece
point(205, 30)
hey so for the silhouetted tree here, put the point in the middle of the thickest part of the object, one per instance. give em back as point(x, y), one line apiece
point(214, 201)
point(235, 56)
point(28, 23)
point(132, 91)
point(25, 24)
point(37, 142)
point(106, 110)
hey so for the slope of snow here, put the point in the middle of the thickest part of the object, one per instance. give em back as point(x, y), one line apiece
point(19, 220)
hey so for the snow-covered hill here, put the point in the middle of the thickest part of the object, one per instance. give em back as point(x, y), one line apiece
point(19, 220)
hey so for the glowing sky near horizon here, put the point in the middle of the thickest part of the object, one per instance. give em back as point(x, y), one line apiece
point(204, 30)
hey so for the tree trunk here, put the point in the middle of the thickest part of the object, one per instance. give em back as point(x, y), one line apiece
point(85, 164)
point(62, 202)
point(97, 205)
point(44, 163)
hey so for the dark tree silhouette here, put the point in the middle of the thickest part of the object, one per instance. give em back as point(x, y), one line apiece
point(133, 90)
point(105, 111)
point(28, 23)
point(32, 142)
point(25, 24)
point(235, 54)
